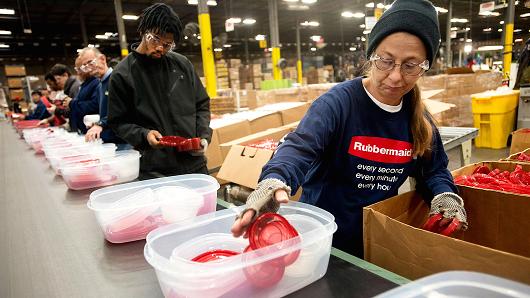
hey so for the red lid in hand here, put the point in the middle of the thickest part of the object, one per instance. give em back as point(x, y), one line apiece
point(214, 255)
point(268, 229)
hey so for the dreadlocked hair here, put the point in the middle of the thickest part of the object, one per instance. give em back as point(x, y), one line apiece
point(160, 18)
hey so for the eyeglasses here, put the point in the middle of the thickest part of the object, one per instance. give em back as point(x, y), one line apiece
point(157, 42)
point(407, 68)
point(87, 67)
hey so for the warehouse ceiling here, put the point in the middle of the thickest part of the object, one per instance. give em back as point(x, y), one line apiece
point(56, 25)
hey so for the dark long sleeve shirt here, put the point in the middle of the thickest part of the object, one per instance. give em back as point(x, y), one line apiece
point(159, 94)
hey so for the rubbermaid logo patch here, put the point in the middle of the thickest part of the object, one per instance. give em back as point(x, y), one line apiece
point(381, 149)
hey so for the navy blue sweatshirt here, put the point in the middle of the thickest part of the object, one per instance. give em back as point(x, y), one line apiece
point(39, 113)
point(107, 135)
point(348, 153)
point(85, 103)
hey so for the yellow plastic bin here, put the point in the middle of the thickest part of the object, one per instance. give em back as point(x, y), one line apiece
point(494, 116)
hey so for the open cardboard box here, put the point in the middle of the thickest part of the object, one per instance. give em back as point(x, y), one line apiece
point(520, 140)
point(497, 241)
point(513, 157)
point(242, 165)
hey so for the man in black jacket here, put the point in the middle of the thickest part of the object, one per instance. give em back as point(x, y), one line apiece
point(155, 92)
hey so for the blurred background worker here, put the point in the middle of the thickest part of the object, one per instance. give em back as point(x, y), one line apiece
point(154, 92)
point(87, 100)
point(98, 68)
point(40, 112)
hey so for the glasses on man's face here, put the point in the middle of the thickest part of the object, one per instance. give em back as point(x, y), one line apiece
point(407, 68)
point(157, 42)
point(87, 67)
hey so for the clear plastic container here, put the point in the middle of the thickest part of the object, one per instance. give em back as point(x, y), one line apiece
point(170, 249)
point(123, 167)
point(128, 212)
point(85, 151)
point(460, 284)
point(94, 157)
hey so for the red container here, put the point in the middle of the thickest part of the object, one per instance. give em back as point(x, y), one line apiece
point(180, 143)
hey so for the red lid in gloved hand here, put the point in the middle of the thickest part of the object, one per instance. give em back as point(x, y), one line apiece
point(214, 255)
point(268, 229)
point(180, 143)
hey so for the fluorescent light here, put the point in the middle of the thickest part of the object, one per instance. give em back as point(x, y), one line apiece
point(486, 29)
point(468, 29)
point(79, 50)
point(316, 38)
point(349, 14)
point(500, 30)
point(469, 40)
point(129, 17)
point(370, 5)
point(109, 34)
point(440, 9)
point(468, 48)
point(227, 45)
point(234, 20)
point(209, 2)
point(102, 36)
point(489, 13)
point(457, 20)
point(260, 37)
point(217, 50)
point(7, 11)
point(352, 49)
point(309, 1)
point(297, 7)
point(518, 40)
point(501, 22)
point(525, 15)
point(363, 39)
point(380, 5)
point(290, 0)
point(313, 49)
point(27, 31)
point(517, 30)
point(490, 48)
point(310, 24)
point(249, 21)
point(4, 46)
point(454, 28)
point(5, 32)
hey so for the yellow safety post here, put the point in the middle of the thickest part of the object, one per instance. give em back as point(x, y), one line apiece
point(207, 49)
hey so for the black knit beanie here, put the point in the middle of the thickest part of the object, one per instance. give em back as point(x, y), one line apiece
point(417, 17)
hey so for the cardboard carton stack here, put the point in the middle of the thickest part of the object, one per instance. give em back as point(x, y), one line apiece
point(233, 73)
point(222, 105)
point(257, 76)
point(222, 74)
point(457, 90)
point(15, 75)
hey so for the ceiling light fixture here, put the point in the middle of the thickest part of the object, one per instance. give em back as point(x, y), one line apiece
point(234, 20)
point(352, 49)
point(457, 20)
point(4, 46)
point(486, 29)
point(310, 24)
point(525, 15)
point(380, 5)
point(370, 5)
point(5, 32)
point(441, 9)
point(316, 38)
point(217, 50)
point(129, 17)
point(7, 11)
point(518, 40)
point(309, 1)
point(260, 37)
point(490, 48)
point(102, 36)
point(313, 49)
point(249, 21)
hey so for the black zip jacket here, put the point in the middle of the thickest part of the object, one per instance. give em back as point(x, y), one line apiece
point(159, 94)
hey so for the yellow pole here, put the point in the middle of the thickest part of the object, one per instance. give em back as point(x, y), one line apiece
point(276, 71)
point(207, 50)
point(508, 39)
point(299, 71)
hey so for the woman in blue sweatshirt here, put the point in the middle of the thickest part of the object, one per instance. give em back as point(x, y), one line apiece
point(362, 139)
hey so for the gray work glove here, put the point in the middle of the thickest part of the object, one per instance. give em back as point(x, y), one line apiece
point(262, 199)
point(450, 205)
point(202, 151)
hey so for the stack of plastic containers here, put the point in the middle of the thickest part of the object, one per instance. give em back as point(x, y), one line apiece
point(84, 152)
point(124, 166)
point(128, 212)
point(459, 284)
point(257, 273)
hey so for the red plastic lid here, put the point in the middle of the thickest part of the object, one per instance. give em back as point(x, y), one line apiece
point(266, 274)
point(214, 255)
point(268, 229)
point(180, 143)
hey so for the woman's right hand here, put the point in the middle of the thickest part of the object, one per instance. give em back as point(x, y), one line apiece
point(260, 201)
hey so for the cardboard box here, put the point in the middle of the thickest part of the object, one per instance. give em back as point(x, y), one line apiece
point(520, 140)
point(513, 157)
point(496, 242)
point(15, 70)
point(213, 153)
point(294, 114)
point(261, 123)
point(242, 165)
point(231, 130)
point(14, 82)
point(16, 93)
point(274, 133)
